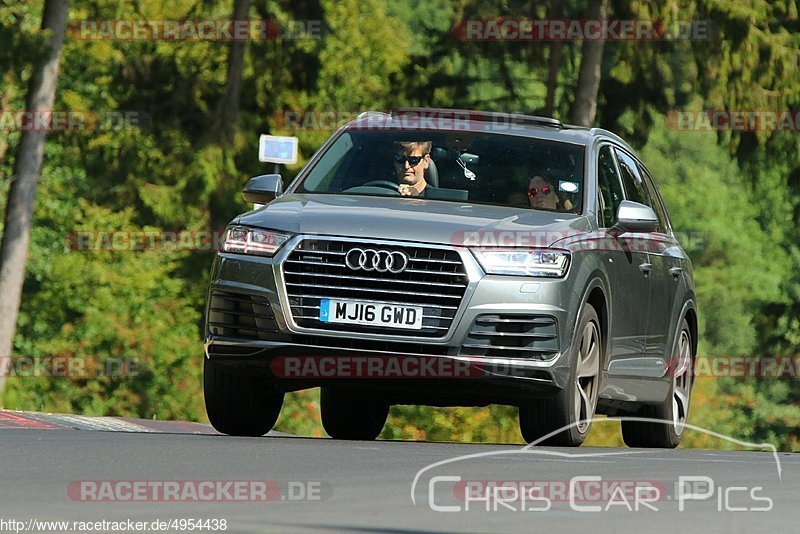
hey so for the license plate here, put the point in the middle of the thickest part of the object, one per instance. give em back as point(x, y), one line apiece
point(370, 313)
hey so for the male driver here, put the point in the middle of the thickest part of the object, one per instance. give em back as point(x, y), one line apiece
point(411, 158)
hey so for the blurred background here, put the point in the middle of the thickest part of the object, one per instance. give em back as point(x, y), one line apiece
point(174, 137)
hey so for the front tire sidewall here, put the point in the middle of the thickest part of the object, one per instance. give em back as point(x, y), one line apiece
point(238, 404)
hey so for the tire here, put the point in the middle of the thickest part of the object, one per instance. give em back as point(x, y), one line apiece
point(239, 405)
point(675, 407)
point(574, 405)
point(347, 414)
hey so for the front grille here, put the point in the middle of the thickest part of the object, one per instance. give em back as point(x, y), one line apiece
point(435, 279)
point(240, 315)
point(533, 337)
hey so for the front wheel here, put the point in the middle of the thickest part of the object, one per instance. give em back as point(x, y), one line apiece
point(674, 411)
point(237, 404)
point(573, 406)
point(347, 414)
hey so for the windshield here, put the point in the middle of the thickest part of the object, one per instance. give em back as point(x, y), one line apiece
point(479, 168)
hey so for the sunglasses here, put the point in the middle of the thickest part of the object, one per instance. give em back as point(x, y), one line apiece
point(412, 160)
point(545, 190)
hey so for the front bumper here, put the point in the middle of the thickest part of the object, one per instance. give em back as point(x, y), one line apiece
point(502, 379)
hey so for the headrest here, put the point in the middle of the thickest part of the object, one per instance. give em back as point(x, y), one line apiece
point(432, 174)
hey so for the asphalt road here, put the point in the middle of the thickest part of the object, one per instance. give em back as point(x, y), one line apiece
point(49, 470)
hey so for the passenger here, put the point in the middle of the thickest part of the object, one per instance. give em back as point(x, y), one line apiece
point(542, 195)
point(411, 159)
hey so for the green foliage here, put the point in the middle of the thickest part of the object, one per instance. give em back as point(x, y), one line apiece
point(300, 414)
point(103, 307)
point(496, 424)
point(359, 55)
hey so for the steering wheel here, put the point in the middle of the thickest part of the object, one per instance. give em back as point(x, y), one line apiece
point(375, 187)
point(381, 183)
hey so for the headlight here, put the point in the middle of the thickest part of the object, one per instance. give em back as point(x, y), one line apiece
point(244, 240)
point(523, 262)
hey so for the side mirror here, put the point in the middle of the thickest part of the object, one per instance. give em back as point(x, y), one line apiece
point(262, 189)
point(635, 217)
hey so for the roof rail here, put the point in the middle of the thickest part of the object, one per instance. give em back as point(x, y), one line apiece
point(482, 116)
point(371, 113)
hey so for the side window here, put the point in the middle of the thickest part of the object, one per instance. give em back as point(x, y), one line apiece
point(609, 188)
point(634, 190)
point(658, 203)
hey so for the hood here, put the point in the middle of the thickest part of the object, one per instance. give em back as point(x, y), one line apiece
point(407, 219)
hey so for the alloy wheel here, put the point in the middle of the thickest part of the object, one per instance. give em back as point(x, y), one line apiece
point(586, 376)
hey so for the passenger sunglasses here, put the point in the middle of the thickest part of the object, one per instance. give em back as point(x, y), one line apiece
point(412, 160)
point(545, 190)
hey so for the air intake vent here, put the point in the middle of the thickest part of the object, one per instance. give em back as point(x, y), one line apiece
point(532, 337)
point(240, 315)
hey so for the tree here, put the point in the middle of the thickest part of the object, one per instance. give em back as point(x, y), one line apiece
point(27, 169)
point(228, 107)
point(584, 108)
point(554, 63)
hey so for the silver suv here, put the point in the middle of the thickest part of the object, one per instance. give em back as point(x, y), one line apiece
point(449, 257)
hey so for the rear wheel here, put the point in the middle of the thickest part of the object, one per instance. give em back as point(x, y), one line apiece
point(239, 405)
point(574, 405)
point(674, 410)
point(348, 414)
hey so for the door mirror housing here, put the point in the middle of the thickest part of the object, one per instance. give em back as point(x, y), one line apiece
point(635, 217)
point(263, 189)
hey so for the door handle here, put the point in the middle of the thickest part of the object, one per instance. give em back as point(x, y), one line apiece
point(646, 268)
point(676, 272)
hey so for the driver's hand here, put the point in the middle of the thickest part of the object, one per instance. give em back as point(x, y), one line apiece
point(405, 190)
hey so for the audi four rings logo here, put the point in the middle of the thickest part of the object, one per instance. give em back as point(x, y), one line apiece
point(376, 260)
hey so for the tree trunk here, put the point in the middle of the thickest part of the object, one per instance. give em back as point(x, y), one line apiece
point(27, 167)
point(585, 107)
point(554, 63)
point(228, 107)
